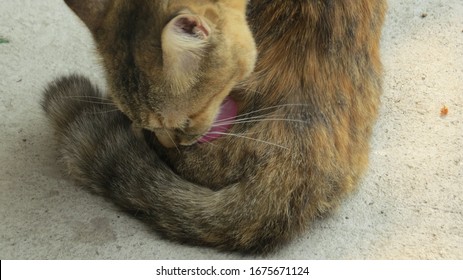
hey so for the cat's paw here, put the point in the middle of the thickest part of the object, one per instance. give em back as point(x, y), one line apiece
point(66, 97)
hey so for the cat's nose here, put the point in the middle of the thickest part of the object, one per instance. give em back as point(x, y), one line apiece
point(173, 121)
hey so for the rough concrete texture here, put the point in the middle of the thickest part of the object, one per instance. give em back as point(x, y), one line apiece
point(409, 205)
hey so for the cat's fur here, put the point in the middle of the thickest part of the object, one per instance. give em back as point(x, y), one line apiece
point(310, 105)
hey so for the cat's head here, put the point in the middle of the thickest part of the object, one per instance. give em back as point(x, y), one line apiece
point(171, 63)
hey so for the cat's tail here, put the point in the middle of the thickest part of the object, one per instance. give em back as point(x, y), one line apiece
point(65, 98)
point(100, 151)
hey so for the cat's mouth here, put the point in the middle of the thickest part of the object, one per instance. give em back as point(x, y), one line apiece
point(223, 121)
point(220, 127)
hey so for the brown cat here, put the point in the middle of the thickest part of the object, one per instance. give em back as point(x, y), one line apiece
point(239, 159)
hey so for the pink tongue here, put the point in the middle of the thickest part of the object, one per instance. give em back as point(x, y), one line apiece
point(224, 120)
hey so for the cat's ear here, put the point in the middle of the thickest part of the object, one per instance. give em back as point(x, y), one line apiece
point(186, 28)
point(184, 41)
point(91, 12)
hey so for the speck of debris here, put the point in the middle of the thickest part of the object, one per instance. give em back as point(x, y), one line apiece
point(347, 218)
point(24, 140)
point(3, 41)
point(423, 15)
point(444, 111)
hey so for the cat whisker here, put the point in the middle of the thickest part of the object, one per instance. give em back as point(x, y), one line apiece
point(90, 97)
point(275, 107)
point(103, 112)
point(265, 109)
point(240, 117)
point(268, 120)
point(258, 119)
point(95, 100)
point(250, 138)
point(171, 139)
point(210, 143)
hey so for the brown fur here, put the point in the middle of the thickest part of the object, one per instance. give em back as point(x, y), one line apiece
point(164, 81)
point(310, 105)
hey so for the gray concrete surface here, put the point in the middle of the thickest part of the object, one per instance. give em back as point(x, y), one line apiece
point(409, 205)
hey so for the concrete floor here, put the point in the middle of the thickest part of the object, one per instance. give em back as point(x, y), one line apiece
point(409, 205)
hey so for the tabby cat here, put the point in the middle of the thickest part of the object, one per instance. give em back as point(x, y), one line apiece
point(255, 117)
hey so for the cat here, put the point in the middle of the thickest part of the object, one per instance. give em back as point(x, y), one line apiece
point(255, 116)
